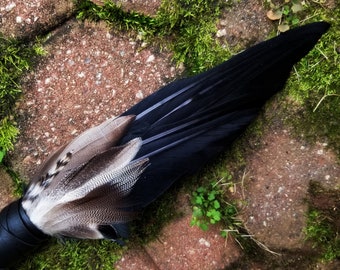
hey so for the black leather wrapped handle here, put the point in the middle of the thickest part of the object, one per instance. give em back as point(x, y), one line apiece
point(18, 235)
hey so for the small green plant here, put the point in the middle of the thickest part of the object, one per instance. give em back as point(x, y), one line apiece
point(207, 208)
point(2, 154)
point(115, 16)
point(210, 207)
point(8, 133)
point(286, 12)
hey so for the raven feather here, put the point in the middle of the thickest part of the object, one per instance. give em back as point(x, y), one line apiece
point(92, 187)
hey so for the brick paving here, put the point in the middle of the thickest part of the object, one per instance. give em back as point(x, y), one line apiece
point(91, 73)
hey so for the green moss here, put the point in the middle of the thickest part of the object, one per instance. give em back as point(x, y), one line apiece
point(316, 86)
point(192, 24)
point(323, 219)
point(8, 134)
point(188, 27)
point(15, 58)
point(75, 255)
point(115, 16)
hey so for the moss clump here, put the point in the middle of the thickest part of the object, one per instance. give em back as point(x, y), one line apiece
point(323, 221)
point(316, 85)
point(75, 255)
point(115, 16)
point(8, 134)
point(15, 58)
point(192, 24)
point(188, 26)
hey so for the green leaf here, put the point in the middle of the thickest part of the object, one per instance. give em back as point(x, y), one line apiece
point(197, 212)
point(224, 234)
point(204, 226)
point(201, 190)
point(214, 215)
point(2, 154)
point(217, 204)
point(211, 195)
point(199, 200)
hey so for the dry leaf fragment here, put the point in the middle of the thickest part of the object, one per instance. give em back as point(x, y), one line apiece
point(283, 27)
point(274, 15)
point(297, 7)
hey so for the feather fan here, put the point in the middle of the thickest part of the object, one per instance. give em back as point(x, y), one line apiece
point(94, 186)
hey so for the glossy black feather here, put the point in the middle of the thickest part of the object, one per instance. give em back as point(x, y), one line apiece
point(100, 181)
point(189, 121)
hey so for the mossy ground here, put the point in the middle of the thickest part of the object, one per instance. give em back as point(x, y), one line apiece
point(16, 57)
point(315, 84)
point(323, 221)
point(190, 28)
point(75, 255)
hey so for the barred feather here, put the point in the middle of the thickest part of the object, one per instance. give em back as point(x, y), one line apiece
point(90, 174)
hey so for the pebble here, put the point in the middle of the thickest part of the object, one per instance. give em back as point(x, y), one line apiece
point(10, 6)
point(140, 94)
point(204, 242)
point(18, 19)
point(150, 58)
point(221, 33)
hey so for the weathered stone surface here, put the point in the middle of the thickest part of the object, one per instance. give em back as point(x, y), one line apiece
point(88, 75)
point(26, 19)
point(277, 187)
point(6, 189)
point(180, 246)
point(244, 24)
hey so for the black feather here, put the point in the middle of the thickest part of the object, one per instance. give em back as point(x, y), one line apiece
point(186, 123)
point(93, 186)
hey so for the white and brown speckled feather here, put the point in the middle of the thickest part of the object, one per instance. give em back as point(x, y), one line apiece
point(90, 174)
